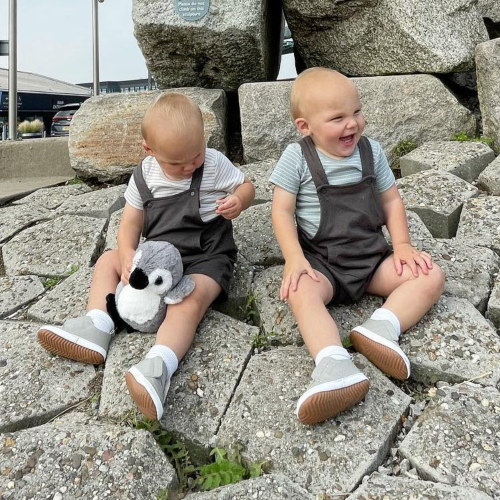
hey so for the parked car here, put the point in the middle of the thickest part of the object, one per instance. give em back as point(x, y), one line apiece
point(62, 119)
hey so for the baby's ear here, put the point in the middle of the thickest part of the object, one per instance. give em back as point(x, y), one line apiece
point(302, 126)
point(147, 148)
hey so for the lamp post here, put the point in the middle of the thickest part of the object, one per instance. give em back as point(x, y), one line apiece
point(95, 32)
point(12, 70)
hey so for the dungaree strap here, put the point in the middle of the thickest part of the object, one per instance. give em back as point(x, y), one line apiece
point(141, 185)
point(366, 155)
point(313, 162)
point(197, 177)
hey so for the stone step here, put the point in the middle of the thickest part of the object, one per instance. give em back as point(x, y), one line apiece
point(51, 198)
point(16, 291)
point(456, 439)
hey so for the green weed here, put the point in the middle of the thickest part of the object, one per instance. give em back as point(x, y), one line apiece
point(250, 311)
point(74, 181)
point(403, 147)
point(463, 137)
point(51, 282)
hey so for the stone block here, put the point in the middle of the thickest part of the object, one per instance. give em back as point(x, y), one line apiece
point(112, 232)
point(278, 321)
point(66, 300)
point(488, 88)
point(453, 342)
point(493, 311)
point(101, 203)
point(480, 222)
point(200, 389)
point(417, 229)
point(403, 488)
point(437, 198)
point(455, 440)
point(259, 174)
point(327, 458)
point(268, 487)
point(51, 198)
point(106, 141)
point(468, 269)
point(439, 37)
point(17, 291)
point(463, 159)
point(428, 112)
point(34, 384)
point(54, 247)
point(69, 459)
point(14, 219)
point(254, 236)
point(489, 178)
point(232, 44)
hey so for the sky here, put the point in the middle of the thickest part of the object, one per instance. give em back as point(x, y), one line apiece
point(55, 40)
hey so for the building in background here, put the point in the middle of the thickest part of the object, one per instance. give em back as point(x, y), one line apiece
point(38, 97)
point(111, 87)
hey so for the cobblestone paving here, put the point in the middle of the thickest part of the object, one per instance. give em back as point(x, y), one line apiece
point(66, 428)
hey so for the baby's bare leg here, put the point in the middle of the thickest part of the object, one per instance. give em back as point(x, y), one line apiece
point(317, 327)
point(179, 327)
point(107, 273)
point(408, 297)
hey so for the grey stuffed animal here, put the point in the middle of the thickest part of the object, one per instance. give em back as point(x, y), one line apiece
point(156, 280)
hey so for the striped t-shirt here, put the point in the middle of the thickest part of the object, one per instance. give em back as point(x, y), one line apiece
point(292, 174)
point(220, 177)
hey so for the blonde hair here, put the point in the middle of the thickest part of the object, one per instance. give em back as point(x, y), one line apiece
point(176, 110)
point(300, 85)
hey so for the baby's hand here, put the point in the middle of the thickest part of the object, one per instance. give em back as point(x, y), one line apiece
point(294, 269)
point(405, 253)
point(229, 207)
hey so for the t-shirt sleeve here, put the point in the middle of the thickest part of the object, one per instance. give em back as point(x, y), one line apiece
point(287, 173)
point(132, 196)
point(227, 176)
point(385, 176)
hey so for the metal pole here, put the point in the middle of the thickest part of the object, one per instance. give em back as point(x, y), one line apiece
point(12, 70)
point(150, 82)
point(95, 31)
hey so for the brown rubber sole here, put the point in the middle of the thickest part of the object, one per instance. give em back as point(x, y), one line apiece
point(324, 405)
point(141, 397)
point(384, 358)
point(62, 347)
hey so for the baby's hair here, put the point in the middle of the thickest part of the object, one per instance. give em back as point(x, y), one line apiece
point(179, 111)
point(297, 92)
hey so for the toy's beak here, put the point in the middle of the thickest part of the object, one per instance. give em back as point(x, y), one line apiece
point(138, 279)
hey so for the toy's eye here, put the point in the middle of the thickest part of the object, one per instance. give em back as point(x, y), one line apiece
point(159, 280)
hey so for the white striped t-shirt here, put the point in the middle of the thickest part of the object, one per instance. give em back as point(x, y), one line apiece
point(293, 175)
point(220, 178)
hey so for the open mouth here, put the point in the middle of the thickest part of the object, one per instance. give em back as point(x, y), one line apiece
point(348, 140)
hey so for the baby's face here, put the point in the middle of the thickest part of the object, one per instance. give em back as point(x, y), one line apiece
point(179, 159)
point(336, 122)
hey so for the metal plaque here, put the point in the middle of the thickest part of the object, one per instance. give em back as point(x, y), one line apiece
point(191, 10)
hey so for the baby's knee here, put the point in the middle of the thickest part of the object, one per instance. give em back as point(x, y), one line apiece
point(107, 260)
point(437, 278)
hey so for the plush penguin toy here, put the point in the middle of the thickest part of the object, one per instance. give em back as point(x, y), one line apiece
point(156, 280)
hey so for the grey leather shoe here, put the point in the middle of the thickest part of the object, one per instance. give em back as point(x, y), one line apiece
point(76, 339)
point(337, 385)
point(148, 383)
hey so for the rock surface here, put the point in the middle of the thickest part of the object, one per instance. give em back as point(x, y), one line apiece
point(386, 36)
point(105, 139)
point(232, 44)
point(489, 178)
point(17, 291)
point(428, 112)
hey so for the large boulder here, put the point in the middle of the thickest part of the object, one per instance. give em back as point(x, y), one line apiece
point(396, 108)
point(368, 37)
point(234, 43)
point(488, 88)
point(105, 137)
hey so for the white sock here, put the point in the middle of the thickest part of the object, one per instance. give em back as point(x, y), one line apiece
point(168, 356)
point(385, 314)
point(101, 320)
point(333, 351)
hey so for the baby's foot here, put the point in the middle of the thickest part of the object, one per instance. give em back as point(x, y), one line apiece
point(337, 385)
point(377, 340)
point(76, 339)
point(148, 383)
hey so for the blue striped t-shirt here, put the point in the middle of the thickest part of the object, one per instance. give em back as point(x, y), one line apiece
point(292, 174)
